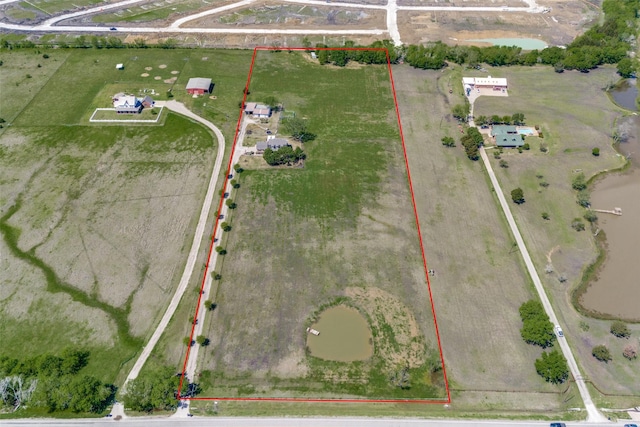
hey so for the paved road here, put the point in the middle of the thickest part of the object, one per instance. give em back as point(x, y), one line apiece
point(391, 9)
point(592, 411)
point(290, 422)
point(197, 238)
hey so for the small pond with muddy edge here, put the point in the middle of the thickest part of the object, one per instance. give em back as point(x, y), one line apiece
point(344, 335)
point(624, 94)
point(616, 290)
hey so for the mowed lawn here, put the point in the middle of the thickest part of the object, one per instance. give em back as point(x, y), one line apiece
point(338, 231)
point(575, 116)
point(96, 220)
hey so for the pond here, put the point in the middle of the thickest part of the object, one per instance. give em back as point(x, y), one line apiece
point(615, 291)
point(526, 44)
point(344, 336)
point(625, 94)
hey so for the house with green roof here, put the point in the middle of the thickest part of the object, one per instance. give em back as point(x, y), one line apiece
point(506, 136)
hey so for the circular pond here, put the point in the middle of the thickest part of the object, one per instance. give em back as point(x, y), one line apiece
point(344, 336)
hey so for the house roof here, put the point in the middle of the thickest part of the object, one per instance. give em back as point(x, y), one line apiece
point(509, 140)
point(147, 99)
point(264, 111)
point(503, 129)
point(277, 142)
point(126, 101)
point(485, 81)
point(250, 106)
point(199, 83)
point(262, 145)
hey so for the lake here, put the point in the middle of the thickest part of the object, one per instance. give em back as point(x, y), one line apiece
point(616, 291)
point(344, 336)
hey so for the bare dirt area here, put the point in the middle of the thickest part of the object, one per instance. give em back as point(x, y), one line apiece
point(269, 14)
point(463, 3)
point(479, 283)
point(558, 27)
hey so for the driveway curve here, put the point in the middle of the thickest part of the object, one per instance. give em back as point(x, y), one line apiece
point(197, 238)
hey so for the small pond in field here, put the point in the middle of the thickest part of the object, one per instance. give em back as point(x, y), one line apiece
point(526, 44)
point(625, 94)
point(344, 336)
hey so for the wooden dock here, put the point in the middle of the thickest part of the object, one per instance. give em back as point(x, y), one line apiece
point(615, 211)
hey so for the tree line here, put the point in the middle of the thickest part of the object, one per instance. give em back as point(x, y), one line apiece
point(53, 383)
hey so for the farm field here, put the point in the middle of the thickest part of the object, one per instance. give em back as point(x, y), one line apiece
point(92, 262)
point(338, 232)
point(575, 115)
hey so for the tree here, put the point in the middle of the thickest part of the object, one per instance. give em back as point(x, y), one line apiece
point(225, 226)
point(481, 120)
point(221, 250)
point(187, 341)
point(210, 305)
point(602, 353)
point(577, 224)
point(552, 367)
point(538, 331)
point(620, 329)
point(595, 152)
point(401, 378)
point(504, 164)
point(460, 111)
point(202, 340)
point(630, 352)
point(579, 182)
point(231, 204)
point(297, 128)
point(152, 390)
point(89, 394)
point(626, 67)
point(448, 141)
point(238, 168)
point(517, 119)
point(517, 195)
point(235, 184)
point(284, 155)
point(584, 199)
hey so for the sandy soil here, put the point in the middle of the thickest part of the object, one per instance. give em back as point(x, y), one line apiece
point(559, 27)
point(272, 14)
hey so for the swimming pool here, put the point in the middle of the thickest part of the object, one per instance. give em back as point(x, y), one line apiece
point(525, 131)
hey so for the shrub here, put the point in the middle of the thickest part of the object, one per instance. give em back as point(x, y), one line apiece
point(620, 329)
point(584, 198)
point(448, 141)
point(602, 353)
point(45, 56)
point(504, 164)
point(595, 152)
point(630, 352)
point(544, 147)
point(545, 216)
point(517, 195)
point(543, 184)
point(590, 216)
point(579, 183)
point(526, 146)
point(577, 224)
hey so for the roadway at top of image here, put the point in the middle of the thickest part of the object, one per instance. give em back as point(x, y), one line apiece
point(391, 9)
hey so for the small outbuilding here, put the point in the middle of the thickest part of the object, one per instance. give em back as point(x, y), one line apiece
point(259, 111)
point(147, 102)
point(120, 66)
point(199, 86)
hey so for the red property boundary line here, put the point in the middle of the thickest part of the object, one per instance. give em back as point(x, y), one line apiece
point(415, 212)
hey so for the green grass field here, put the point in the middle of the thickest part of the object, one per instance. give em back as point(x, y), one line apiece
point(339, 230)
point(92, 262)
